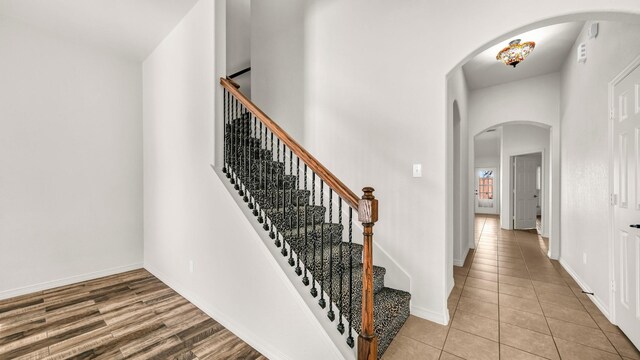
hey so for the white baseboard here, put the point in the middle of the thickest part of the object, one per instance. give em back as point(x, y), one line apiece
point(245, 334)
point(430, 315)
point(460, 263)
point(583, 285)
point(67, 281)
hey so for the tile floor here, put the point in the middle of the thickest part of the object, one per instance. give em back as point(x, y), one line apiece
point(511, 302)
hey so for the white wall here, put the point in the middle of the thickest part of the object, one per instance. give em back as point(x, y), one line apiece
point(238, 40)
point(277, 62)
point(190, 215)
point(70, 161)
point(376, 103)
point(533, 100)
point(585, 153)
point(521, 139)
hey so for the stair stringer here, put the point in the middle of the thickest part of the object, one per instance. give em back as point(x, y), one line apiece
point(311, 303)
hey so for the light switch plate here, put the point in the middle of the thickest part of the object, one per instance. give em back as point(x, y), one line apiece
point(417, 170)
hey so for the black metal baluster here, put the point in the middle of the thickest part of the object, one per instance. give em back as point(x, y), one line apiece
point(277, 188)
point(253, 150)
point(268, 191)
point(291, 262)
point(232, 132)
point(350, 341)
point(322, 302)
point(261, 152)
point(305, 278)
point(284, 204)
point(314, 291)
point(331, 315)
point(224, 132)
point(243, 155)
point(237, 141)
point(298, 239)
point(340, 271)
point(248, 193)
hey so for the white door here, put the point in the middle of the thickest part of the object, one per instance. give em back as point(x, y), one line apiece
point(525, 193)
point(486, 191)
point(626, 150)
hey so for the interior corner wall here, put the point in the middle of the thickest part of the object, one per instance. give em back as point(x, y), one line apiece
point(277, 62)
point(70, 161)
point(189, 216)
point(238, 42)
point(585, 152)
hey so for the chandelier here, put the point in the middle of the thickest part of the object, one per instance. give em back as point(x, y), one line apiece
point(515, 53)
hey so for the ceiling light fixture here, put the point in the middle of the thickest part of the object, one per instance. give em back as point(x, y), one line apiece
point(515, 53)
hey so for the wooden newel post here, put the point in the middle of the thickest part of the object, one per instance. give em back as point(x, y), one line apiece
point(367, 215)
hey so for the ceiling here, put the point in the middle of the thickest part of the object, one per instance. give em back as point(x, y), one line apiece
point(553, 44)
point(131, 27)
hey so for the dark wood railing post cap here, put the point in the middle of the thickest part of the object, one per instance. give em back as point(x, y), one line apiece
point(368, 207)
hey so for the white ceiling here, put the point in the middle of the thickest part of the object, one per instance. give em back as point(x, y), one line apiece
point(132, 27)
point(553, 44)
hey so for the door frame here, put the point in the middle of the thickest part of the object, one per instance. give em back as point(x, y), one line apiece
point(543, 190)
point(612, 201)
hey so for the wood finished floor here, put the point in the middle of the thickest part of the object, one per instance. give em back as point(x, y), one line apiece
point(126, 316)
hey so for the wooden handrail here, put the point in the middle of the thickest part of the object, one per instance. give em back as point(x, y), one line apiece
point(331, 180)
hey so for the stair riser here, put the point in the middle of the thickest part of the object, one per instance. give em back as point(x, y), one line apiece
point(291, 219)
point(293, 198)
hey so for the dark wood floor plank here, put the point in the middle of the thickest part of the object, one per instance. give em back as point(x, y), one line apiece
point(132, 315)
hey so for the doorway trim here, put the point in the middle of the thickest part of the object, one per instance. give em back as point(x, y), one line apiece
point(612, 197)
point(543, 190)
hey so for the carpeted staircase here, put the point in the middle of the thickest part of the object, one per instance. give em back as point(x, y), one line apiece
point(331, 250)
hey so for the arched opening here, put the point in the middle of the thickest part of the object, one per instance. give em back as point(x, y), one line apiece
point(563, 93)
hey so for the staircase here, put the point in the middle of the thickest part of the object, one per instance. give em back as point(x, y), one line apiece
point(309, 214)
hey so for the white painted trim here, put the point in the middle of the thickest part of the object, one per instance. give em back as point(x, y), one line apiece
point(440, 318)
point(460, 262)
point(67, 281)
point(583, 285)
point(612, 220)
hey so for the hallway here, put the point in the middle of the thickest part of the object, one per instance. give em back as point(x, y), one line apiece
point(511, 302)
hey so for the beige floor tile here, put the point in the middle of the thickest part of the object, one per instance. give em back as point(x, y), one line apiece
point(471, 347)
point(402, 348)
point(507, 352)
point(447, 356)
point(518, 291)
point(480, 294)
point(425, 331)
point(485, 261)
point(567, 314)
point(604, 323)
point(527, 320)
point(483, 275)
point(478, 307)
point(515, 281)
point(530, 341)
point(523, 274)
point(624, 346)
point(482, 284)
point(542, 287)
point(573, 351)
point(580, 334)
point(517, 303)
point(484, 267)
point(476, 324)
point(561, 300)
